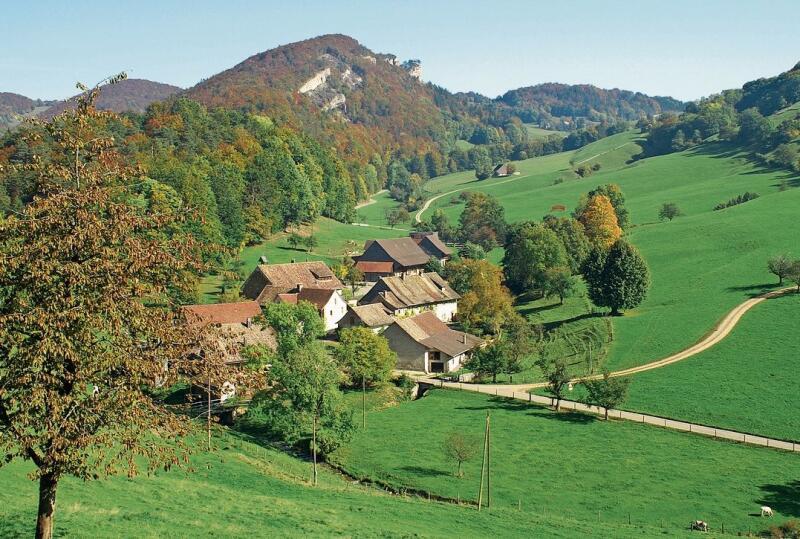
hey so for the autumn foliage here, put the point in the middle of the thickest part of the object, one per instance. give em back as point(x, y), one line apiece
point(600, 222)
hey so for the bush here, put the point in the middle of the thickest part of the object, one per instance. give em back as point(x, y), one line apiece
point(788, 530)
point(406, 385)
point(741, 199)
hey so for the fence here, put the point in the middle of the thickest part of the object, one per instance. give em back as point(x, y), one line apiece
point(659, 421)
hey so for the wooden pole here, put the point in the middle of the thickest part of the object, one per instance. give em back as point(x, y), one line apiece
point(483, 462)
point(314, 446)
point(488, 462)
point(208, 401)
point(364, 402)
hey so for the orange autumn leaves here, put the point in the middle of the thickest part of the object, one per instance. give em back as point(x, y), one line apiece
point(600, 222)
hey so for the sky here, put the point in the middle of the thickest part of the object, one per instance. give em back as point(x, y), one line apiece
point(686, 49)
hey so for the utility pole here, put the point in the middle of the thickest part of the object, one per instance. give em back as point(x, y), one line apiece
point(208, 411)
point(364, 402)
point(485, 468)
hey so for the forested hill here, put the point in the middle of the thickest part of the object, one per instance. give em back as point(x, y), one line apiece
point(561, 105)
point(14, 106)
point(771, 94)
point(333, 86)
point(130, 95)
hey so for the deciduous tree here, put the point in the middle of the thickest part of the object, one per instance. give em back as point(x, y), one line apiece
point(460, 448)
point(606, 392)
point(600, 222)
point(86, 323)
point(364, 356)
point(780, 266)
point(531, 251)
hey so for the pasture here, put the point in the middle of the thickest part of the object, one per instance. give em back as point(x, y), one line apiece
point(575, 465)
point(746, 382)
point(246, 490)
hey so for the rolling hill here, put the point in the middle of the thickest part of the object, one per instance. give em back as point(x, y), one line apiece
point(129, 95)
point(560, 105)
point(14, 107)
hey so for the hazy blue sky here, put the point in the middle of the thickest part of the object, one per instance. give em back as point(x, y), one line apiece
point(686, 49)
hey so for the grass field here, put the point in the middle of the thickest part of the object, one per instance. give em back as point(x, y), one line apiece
point(746, 382)
point(244, 490)
point(334, 238)
point(536, 133)
point(576, 465)
point(702, 264)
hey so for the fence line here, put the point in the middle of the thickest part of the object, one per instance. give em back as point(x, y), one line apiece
point(659, 421)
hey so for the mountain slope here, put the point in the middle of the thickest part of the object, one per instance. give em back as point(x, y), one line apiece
point(556, 103)
point(331, 84)
point(129, 95)
point(14, 107)
point(771, 94)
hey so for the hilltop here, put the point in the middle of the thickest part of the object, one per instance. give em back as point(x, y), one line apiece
point(560, 105)
point(14, 107)
point(129, 95)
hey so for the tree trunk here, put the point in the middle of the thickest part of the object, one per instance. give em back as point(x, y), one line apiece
point(314, 447)
point(606, 409)
point(494, 377)
point(558, 404)
point(459, 469)
point(47, 506)
point(614, 311)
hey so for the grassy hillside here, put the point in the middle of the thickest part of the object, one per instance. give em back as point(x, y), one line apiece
point(575, 465)
point(702, 264)
point(745, 382)
point(245, 490)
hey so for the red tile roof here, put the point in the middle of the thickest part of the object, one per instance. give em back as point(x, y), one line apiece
point(375, 267)
point(223, 313)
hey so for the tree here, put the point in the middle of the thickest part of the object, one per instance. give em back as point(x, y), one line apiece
point(364, 356)
point(606, 392)
point(614, 195)
point(600, 222)
point(531, 250)
point(310, 242)
point(294, 325)
point(87, 317)
point(794, 274)
point(460, 448)
point(294, 240)
point(396, 216)
point(559, 282)
point(622, 282)
point(669, 210)
point(485, 303)
point(556, 376)
point(303, 400)
point(754, 128)
point(572, 235)
point(482, 221)
point(780, 266)
point(488, 361)
point(481, 162)
point(472, 251)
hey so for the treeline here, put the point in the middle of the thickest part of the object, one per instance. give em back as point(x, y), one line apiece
point(734, 115)
point(244, 176)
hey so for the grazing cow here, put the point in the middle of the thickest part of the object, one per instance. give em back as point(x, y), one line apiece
point(766, 511)
point(699, 525)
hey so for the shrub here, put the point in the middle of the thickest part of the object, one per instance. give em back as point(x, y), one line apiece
point(741, 199)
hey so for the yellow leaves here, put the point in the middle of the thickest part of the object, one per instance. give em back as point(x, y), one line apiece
point(600, 222)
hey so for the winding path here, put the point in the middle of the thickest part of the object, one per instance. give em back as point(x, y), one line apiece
point(418, 215)
point(719, 332)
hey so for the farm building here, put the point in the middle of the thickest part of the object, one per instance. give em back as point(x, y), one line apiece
point(501, 170)
point(290, 283)
point(425, 343)
point(400, 256)
point(330, 303)
point(374, 316)
point(412, 294)
point(236, 330)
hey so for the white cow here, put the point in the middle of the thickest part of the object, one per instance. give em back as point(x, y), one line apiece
point(766, 511)
point(699, 525)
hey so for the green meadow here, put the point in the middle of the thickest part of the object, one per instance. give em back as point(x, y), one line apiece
point(576, 465)
point(246, 490)
point(746, 382)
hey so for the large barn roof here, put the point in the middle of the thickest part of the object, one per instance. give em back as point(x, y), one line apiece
point(429, 331)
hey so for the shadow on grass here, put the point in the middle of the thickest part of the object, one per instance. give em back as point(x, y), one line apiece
point(784, 498)
point(427, 472)
point(558, 323)
point(505, 403)
point(754, 290)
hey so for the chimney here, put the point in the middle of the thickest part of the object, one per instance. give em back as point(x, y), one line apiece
point(464, 338)
point(299, 287)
